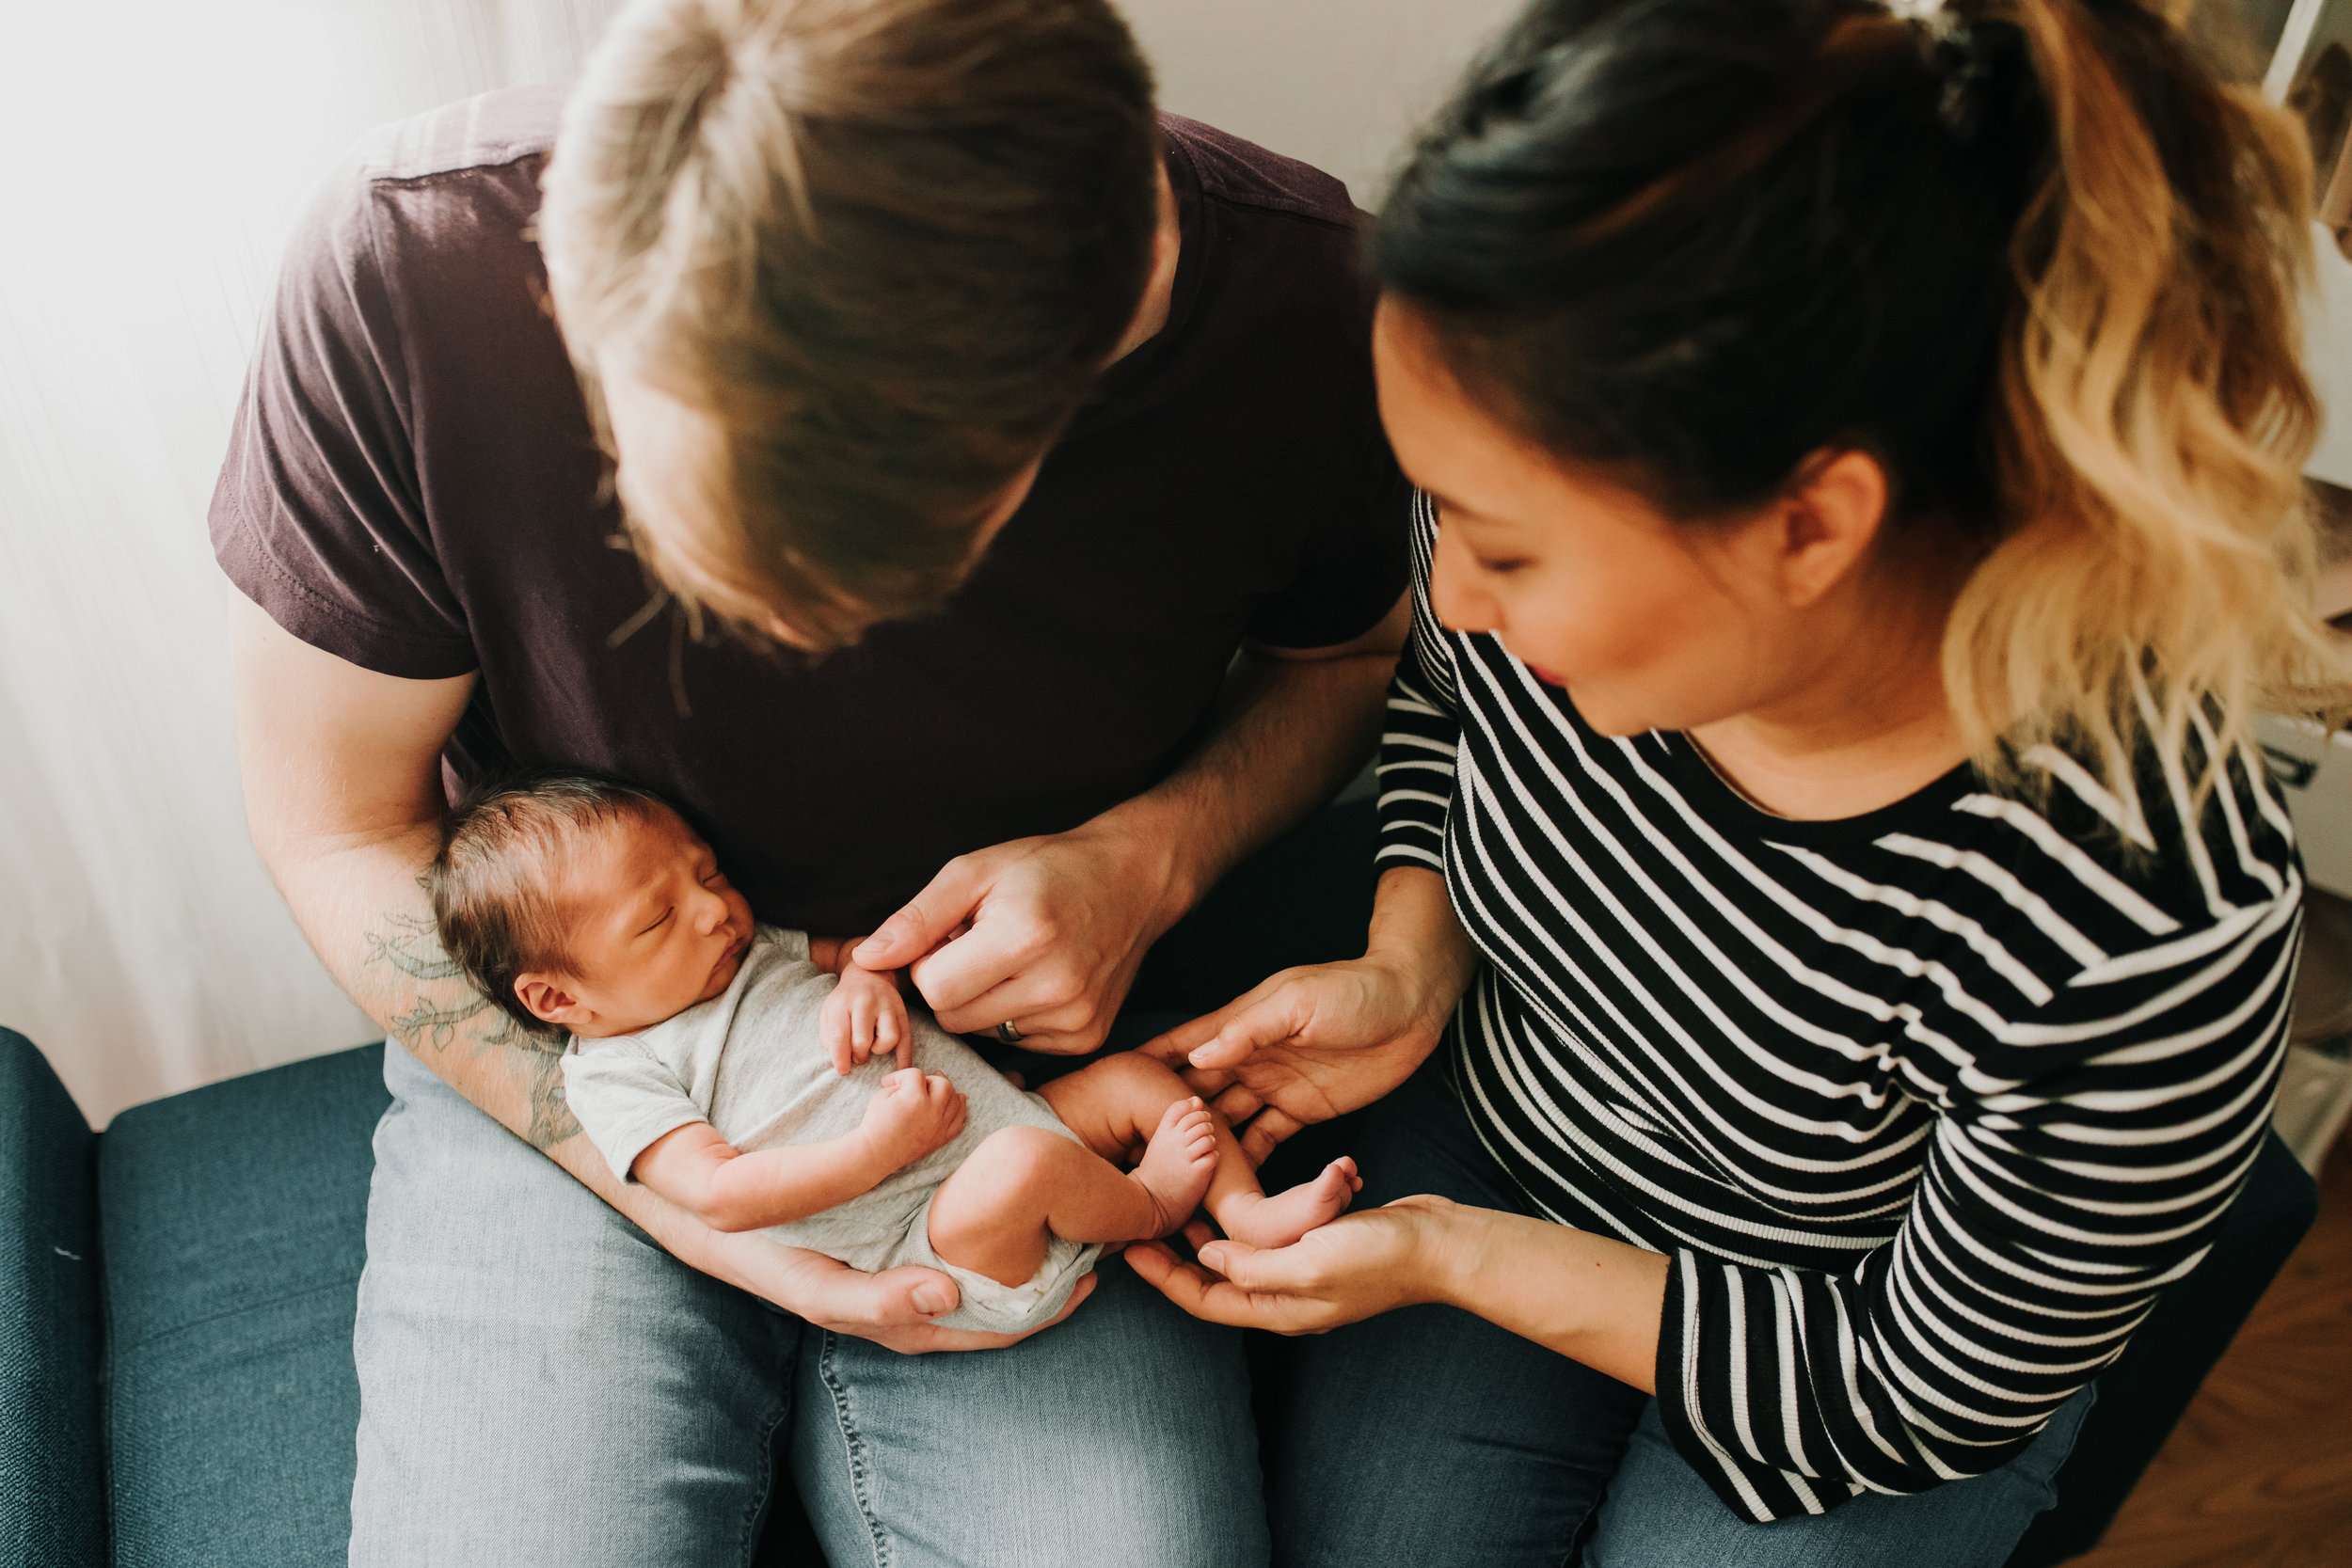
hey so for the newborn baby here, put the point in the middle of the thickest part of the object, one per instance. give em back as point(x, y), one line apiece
point(763, 1080)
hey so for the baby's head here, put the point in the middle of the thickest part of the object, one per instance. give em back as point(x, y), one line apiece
point(579, 904)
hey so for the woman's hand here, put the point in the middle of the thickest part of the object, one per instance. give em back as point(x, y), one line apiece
point(1311, 1043)
point(1306, 1046)
point(1356, 1267)
point(1589, 1297)
point(893, 1309)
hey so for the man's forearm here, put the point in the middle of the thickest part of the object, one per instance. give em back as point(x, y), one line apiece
point(1287, 735)
point(364, 908)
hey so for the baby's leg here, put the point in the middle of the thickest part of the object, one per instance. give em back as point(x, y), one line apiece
point(1023, 1186)
point(1115, 1103)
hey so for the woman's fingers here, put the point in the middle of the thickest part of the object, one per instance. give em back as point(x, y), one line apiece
point(1176, 1047)
point(1221, 1301)
point(1249, 1029)
point(1266, 1014)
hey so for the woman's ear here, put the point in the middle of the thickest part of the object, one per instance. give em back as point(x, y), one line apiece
point(1828, 520)
point(545, 997)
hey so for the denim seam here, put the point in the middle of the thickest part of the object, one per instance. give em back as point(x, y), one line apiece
point(854, 1448)
point(762, 1508)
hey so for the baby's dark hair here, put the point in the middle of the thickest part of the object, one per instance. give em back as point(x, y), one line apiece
point(492, 881)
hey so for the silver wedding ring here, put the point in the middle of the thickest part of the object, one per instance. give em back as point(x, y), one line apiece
point(1007, 1034)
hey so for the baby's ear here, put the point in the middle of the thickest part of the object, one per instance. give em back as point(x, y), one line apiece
point(544, 997)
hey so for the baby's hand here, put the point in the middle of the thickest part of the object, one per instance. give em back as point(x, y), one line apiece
point(866, 1018)
point(911, 1115)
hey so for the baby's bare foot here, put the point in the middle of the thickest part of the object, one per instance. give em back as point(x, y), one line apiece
point(1178, 1163)
point(1281, 1218)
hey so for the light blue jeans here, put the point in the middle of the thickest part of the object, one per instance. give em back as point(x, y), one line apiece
point(541, 1384)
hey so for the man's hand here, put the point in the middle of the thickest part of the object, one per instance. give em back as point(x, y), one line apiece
point(1042, 933)
point(910, 1116)
point(1046, 934)
point(893, 1309)
point(866, 1018)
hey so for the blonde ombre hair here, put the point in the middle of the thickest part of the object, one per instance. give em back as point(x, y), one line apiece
point(871, 254)
point(2031, 255)
point(2153, 419)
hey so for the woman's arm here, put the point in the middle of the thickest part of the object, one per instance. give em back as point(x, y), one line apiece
point(2050, 1212)
point(1590, 1298)
point(1311, 1043)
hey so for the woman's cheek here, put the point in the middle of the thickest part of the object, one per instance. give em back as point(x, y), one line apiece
point(1556, 626)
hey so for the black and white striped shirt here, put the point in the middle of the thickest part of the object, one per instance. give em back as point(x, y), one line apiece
point(1925, 1105)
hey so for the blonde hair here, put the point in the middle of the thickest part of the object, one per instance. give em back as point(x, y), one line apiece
point(875, 250)
point(2031, 255)
point(2153, 419)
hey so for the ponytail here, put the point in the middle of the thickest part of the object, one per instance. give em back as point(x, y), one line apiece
point(2030, 254)
point(2152, 415)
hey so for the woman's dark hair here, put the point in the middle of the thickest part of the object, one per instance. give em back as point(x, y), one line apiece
point(2030, 254)
point(1699, 240)
point(492, 885)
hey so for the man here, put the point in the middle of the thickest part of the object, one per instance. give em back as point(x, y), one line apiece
point(1004, 652)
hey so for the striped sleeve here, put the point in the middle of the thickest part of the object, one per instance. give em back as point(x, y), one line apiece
point(2084, 1156)
point(1422, 728)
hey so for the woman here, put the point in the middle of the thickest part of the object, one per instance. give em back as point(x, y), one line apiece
point(1817, 814)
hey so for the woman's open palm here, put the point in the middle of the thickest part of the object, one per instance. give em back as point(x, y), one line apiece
point(1306, 1045)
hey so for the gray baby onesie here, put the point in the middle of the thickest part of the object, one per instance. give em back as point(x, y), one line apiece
point(750, 1063)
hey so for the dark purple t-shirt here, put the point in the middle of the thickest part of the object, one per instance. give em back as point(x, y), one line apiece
point(412, 486)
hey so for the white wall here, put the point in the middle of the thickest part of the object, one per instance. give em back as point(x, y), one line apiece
point(157, 152)
point(1338, 83)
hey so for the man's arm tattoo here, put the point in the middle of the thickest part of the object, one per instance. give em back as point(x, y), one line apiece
point(412, 946)
point(407, 943)
point(551, 1118)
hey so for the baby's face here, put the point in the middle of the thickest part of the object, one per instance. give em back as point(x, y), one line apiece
point(652, 929)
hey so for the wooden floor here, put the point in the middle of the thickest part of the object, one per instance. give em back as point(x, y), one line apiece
point(2259, 1473)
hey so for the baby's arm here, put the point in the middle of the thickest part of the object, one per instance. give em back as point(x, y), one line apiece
point(864, 1016)
point(909, 1117)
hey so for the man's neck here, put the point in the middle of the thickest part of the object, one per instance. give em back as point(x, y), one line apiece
point(1159, 293)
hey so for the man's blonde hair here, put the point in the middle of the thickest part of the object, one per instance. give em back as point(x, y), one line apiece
point(881, 247)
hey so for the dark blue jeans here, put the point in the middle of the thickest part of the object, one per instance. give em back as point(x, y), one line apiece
point(1427, 1437)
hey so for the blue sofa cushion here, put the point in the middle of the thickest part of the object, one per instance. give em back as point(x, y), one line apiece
point(234, 1227)
point(52, 1459)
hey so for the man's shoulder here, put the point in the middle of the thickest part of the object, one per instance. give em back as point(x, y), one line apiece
point(490, 134)
point(1243, 174)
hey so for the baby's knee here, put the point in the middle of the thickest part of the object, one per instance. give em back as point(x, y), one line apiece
point(1133, 1079)
point(1013, 1159)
